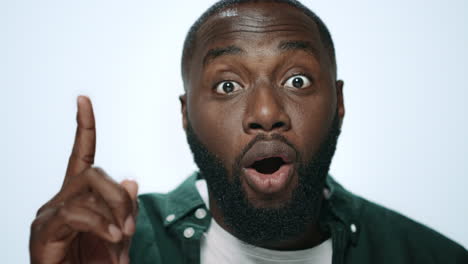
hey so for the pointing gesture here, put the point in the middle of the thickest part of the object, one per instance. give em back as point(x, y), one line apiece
point(92, 218)
point(84, 148)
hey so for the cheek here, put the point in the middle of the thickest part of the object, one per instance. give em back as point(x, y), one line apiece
point(219, 127)
point(311, 120)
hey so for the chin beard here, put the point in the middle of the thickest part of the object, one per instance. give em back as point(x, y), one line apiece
point(265, 226)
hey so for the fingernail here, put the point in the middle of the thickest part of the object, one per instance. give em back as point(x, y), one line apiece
point(79, 99)
point(115, 232)
point(129, 225)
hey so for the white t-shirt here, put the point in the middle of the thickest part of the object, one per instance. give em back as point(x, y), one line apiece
point(219, 246)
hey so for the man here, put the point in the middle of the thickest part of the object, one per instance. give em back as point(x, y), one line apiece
point(262, 111)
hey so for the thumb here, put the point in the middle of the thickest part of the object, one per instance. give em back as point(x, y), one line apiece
point(131, 187)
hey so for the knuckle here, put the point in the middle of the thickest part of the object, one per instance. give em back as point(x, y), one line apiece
point(86, 173)
point(125, 196)
point(42, 209)
point(101, 221)
point(35, 225)
point(47, 214)
point(91, 172)
point(63, 212)
point(121, 199)
point(98, 170)
point(91, 199)
point(95, 172)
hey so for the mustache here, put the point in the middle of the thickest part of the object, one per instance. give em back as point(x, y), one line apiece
point(265, 137)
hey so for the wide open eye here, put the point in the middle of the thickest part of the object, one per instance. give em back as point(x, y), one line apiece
point(297, 81)
point(227, 87)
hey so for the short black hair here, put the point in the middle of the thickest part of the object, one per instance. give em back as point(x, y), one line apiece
point(189, 43)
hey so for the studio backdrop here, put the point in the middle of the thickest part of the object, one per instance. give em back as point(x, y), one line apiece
point(404, 138)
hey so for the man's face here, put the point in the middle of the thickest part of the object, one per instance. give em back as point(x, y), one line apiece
point(262, 101)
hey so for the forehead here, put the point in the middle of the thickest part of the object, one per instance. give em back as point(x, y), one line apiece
point(257, 24)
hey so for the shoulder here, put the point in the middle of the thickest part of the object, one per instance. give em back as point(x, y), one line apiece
point(383, 235)
point(382, 228)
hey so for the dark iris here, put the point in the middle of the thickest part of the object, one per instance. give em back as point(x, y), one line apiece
point(298, 82)
point(228, 87)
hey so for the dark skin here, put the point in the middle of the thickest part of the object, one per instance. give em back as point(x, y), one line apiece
point(264, 47)
point(92, 218)
point(271, 46)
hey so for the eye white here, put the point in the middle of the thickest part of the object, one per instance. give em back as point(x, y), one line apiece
point(227, 87)
point(297, 82)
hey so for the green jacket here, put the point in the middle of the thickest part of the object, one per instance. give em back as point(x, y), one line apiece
point(169, 231)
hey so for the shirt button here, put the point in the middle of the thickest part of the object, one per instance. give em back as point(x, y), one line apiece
point(326, 193)
point(353, 228)
point(189, 232)
point(200, 213)
point(170, 218)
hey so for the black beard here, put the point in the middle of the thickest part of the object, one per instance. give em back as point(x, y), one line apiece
point(265, 226)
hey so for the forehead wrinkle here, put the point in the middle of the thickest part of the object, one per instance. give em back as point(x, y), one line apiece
point(272, 27)
point(220, 29)
point(284, 46)
point(217, 31)
point(218, 26)
point(225, 35)
point(226, 29)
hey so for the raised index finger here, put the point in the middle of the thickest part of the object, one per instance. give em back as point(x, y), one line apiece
point(84, 148)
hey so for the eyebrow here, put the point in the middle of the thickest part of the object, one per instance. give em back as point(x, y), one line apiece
point(298, 45)
point(218, 52)
point(283, 46)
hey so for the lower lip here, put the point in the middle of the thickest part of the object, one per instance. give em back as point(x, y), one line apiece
point(269, 183)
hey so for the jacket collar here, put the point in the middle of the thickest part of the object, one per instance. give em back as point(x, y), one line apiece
point(341, 204)
point(345, 207)
point(182, 200)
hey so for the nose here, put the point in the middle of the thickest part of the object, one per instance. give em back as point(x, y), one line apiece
point(265, 112)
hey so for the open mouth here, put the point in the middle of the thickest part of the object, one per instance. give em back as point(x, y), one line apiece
point(268, 175)
point(268, 165)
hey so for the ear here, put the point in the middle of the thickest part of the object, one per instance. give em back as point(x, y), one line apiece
point(340, 100)
point(183, 109)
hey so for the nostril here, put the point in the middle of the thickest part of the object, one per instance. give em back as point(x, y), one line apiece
point(278, 125)
point(255, 126)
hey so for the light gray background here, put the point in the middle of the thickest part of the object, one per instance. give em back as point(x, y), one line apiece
point(404, 136)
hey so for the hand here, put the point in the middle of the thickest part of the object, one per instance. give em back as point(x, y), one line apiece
point(92, 218)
